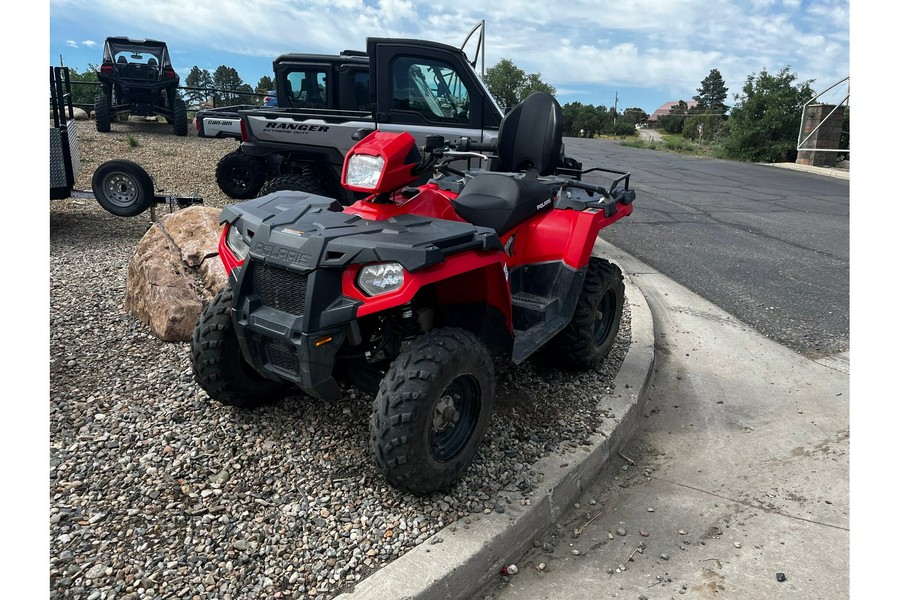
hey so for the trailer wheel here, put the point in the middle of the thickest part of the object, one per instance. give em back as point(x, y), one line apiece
point(179, 114)
point(432, 410)
point(123, 188)
point(101, 112)
point(240, 176)
point(590, 335)
point(218, 365)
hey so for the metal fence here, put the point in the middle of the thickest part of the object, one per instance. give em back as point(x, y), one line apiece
point(213, 95)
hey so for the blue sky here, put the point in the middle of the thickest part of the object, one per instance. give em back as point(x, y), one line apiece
point(648, 51)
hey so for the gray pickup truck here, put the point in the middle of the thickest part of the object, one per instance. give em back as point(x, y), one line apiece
point(409, 85)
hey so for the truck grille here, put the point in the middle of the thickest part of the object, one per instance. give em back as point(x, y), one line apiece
point(279, 288)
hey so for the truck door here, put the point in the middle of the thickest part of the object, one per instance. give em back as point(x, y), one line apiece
point(428, 88)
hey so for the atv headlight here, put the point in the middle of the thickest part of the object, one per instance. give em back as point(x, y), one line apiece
point(364, 171)
point(237, 243)
point(378, 279)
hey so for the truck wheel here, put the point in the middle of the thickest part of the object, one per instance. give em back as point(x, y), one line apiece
point(240, 176)
point(218, 365)
point(431, 411)
point(301, 182)
point(589, 336)
point(122, 187)
point(179, 114)
point(101, 112)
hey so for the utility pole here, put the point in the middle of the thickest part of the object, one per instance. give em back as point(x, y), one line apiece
point(616, 109)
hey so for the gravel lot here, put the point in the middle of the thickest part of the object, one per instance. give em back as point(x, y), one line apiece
point(157, 492)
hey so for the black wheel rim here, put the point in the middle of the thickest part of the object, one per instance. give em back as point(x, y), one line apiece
point(603, 318)
point(240, 179)
point(454, 418)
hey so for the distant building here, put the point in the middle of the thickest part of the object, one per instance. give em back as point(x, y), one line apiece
point(665, 109)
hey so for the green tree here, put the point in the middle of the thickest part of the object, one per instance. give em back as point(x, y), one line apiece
point(578, 117)
point(228, 83)
point(533, 84)
point(264, 85)
point(197, 78)
point(634, 115)
point(674, 121)
point(84, 85)
point(509, 84)
point(504, 80)
point(765, 120)
point(711, 94)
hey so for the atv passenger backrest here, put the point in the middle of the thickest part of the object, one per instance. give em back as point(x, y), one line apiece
point(531, 135)
point(121, 61)
point(152, 62)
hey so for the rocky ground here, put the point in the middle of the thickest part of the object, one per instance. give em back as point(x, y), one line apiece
point(157, 492)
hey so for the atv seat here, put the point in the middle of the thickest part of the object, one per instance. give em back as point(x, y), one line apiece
point(530, 139)
point(502, 201)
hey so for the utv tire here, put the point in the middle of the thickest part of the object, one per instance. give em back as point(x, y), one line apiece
point(101, 112)
point(240, 176)
point(123, 188)
point(218, 365)
point(432, 410)
point(307, 182)
point(179, 113)
point(591, 333)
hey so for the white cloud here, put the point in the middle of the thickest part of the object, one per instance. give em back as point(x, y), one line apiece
point(89, 43)
point(668, 45)
point(71, 43)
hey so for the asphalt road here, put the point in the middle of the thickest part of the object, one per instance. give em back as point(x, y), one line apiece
point(770, 246)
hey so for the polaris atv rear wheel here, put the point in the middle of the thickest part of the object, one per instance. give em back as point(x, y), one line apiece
point(123, 188)
point(179, 114)
point(301, 182)
point(590, 335)
point(240, 176)
point(432, 410)
point(101, 112)
point(218, 365)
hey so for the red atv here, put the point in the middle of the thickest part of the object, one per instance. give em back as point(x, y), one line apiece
point(409, 292)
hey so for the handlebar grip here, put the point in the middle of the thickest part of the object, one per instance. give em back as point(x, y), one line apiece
point(465, 144)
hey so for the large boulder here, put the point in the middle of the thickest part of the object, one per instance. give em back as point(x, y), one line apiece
point(79, 114)
point(175, 272)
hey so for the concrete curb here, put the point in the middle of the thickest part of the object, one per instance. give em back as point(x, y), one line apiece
point(468, 558)
point(826, 171)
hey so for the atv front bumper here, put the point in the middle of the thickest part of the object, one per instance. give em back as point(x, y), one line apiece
point(290, 324)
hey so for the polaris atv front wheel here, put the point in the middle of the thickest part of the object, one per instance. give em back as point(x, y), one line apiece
point(123, 188)
point(432, 410)
point(218, 365)
point(240, 176)
point(590, 335)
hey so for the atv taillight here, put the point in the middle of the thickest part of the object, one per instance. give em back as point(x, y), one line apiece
point(169, 73)
point(106, 68)
point(245, 136)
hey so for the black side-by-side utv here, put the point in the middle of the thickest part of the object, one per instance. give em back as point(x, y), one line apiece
point(136, 77)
